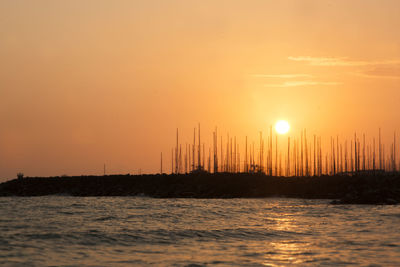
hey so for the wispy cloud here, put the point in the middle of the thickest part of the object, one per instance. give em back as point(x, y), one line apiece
point(387, 72)
point(340, 61)
point(292, 80)
point(283, 76)
point(300, 83)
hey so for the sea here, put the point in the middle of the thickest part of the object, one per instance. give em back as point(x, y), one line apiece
point(143, 231)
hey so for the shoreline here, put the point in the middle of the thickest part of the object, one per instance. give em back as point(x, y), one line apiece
point(357, 189)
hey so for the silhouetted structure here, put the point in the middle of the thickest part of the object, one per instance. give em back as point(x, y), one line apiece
point(298, 157)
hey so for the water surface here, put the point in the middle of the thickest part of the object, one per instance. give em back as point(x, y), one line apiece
point(119, 231)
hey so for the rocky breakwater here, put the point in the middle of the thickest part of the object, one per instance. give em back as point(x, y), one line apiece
point(376, 190)
point(382, 189)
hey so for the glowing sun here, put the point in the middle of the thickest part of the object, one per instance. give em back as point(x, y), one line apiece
point(282, 127)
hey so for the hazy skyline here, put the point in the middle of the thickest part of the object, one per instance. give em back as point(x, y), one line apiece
point(84, 83)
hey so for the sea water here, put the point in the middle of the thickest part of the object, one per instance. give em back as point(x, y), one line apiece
point(140, 231)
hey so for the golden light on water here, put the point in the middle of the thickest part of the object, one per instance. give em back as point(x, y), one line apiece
point(282, 127)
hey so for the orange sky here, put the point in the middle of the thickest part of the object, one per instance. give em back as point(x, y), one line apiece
point(84, 83)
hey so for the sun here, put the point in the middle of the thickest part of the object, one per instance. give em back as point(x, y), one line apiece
point(282, 127)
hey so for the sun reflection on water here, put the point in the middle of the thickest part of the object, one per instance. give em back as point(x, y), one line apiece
point(295, 251)
point(281, 253)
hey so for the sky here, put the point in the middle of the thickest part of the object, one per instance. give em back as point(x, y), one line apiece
point(88, 83)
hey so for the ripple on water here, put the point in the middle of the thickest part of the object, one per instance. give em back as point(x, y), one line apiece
point(123, 231)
